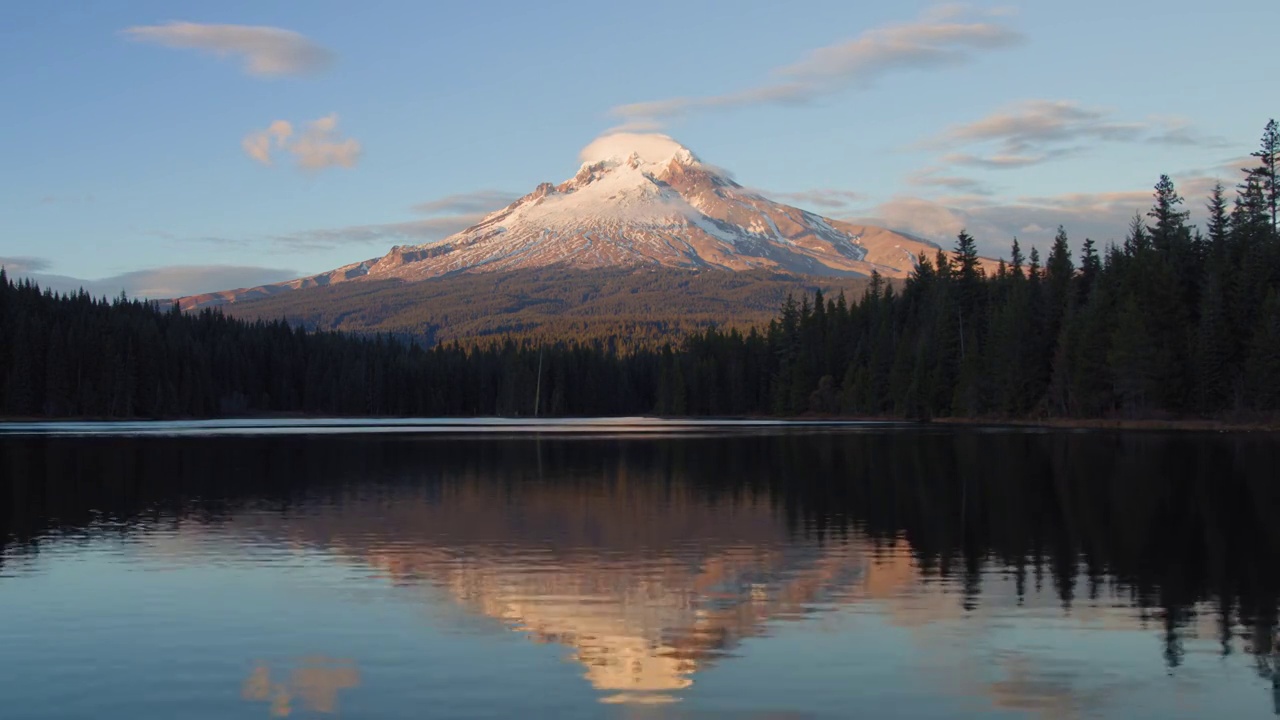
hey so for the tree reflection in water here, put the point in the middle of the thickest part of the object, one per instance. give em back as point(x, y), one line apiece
point(653, 558)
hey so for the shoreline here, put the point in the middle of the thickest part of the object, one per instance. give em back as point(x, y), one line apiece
point(1185, 425)
point(1174, 425)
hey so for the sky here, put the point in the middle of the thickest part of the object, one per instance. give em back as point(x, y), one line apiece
point(168, 148)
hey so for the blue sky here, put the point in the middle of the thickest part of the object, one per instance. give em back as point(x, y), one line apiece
point(131, 129)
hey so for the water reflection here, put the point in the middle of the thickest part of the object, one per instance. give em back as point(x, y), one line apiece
point(652, 562)
point(314, 684)
point(642, 582)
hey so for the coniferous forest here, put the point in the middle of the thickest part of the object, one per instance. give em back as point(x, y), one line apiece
point(1175, 321)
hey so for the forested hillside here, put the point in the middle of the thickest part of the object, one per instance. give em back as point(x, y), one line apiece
point(1174, 322)
point(637, 307)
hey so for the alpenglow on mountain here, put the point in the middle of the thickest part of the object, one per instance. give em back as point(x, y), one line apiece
point(637, 200)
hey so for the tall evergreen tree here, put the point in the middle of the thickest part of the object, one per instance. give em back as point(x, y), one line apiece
point(1266, 174)
point(1218, 222)
point(1170, 222)
point(1090, 269)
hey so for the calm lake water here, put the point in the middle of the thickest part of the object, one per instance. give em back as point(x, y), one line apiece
point(635, 569)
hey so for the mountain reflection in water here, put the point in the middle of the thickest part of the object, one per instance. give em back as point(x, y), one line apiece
point(654, 561)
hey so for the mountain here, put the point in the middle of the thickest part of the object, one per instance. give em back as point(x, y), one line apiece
point(638, 201)
point(644, 243)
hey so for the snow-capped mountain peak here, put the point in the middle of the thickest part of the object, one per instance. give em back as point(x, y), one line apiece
point(642, 200)
point(647, 153)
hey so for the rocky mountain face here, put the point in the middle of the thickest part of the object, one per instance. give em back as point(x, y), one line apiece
point(637, 201)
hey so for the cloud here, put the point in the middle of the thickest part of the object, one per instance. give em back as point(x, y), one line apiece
point(413, 231)
point(825, 198)
point(447, 215)
point(1034, 219)
point(1230, 171)
point(1002, 161)
point(318, 146)
point(1179, 131)
point(163, 282)
point(943, 37)
point(265, 51)
point(1103, 216)
point(258, 144)
point(1025, 126)
point(65, 199)
point(469, 203)
point(919, 216)
point(932, 177)
point(22, 265)
point(1031, 132)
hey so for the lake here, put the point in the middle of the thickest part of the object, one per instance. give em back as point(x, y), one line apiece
point(635, 569)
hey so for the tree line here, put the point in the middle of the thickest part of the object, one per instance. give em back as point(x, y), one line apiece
point(1171, 322)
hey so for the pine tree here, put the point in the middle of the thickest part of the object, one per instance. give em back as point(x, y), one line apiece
point(1090, 269)
point(1170, 222)
point(1138, 241)
point(1266, 174)
point(1059, 272)
point(1218, 225)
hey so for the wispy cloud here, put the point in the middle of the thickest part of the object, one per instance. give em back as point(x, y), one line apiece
point(943, 37)
point(1180, 131)
point(412, 231)
point(1003, 161)
point(1230, 170)
point(65, 199)
point(1031, 132)
point(1103, 216)
point(22, 264)
point(476, 201)
point(317, 147)
point(934, 177)
point(447, 215)
point(156, 283)
point(264, 51)
point(826, 199)
point(1027, 125)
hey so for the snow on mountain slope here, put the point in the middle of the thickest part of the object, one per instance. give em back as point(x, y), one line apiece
point(637, 200)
